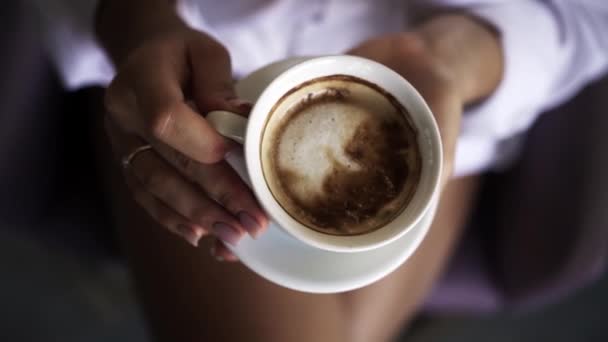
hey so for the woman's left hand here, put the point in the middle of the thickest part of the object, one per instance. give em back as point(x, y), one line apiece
point(431, 59)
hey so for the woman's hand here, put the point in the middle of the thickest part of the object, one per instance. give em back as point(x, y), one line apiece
point(452, 60)
point(183, 181)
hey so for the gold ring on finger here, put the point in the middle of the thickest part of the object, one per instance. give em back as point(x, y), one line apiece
point(128, 159)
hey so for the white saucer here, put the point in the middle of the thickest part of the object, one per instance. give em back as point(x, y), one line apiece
point(285, 261)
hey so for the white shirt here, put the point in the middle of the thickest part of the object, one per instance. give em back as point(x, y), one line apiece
point(552, 49)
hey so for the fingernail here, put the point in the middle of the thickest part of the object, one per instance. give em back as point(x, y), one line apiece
point(250, 224)
point(226, 233)
point(189, 234)
point(241, 105)
point(233, 148)
point(212, 251)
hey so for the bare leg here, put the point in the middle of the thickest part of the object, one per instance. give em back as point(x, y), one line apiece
point(379, 311)
point(188, 296)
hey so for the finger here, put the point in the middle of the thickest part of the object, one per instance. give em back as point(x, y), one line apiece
point(166, 184)
point(164, 215)
point(168, 119)
point(159, 179)
point(149, 101)
point(221, 183)
point(221, 253)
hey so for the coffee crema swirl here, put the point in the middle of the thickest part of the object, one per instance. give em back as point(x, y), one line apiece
point(340, 155)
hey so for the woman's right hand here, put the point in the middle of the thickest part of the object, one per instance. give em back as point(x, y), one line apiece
point(183, 181)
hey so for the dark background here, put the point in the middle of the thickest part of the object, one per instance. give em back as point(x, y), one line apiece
point(535, 251)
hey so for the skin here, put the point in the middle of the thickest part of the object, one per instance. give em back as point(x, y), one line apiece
point(183, 185)
point(146, 102)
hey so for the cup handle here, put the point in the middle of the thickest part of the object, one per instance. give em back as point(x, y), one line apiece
point(231, 126)
point(228, 124)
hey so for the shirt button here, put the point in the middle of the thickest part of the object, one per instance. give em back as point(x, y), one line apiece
point(317, 17)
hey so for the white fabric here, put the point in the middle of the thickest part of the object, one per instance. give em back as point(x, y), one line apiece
point(552, 49)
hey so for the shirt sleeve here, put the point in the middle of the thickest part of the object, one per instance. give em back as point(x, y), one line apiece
point(551, 49)
point(67, 29)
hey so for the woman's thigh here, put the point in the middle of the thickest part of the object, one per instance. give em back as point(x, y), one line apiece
point(379, 311)
point(188, 296)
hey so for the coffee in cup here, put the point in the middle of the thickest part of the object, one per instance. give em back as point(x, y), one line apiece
point(340, 155)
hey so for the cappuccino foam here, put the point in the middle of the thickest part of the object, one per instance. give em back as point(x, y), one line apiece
point(340, 156)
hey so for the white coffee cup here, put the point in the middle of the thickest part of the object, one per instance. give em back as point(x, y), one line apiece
point(249, 132)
